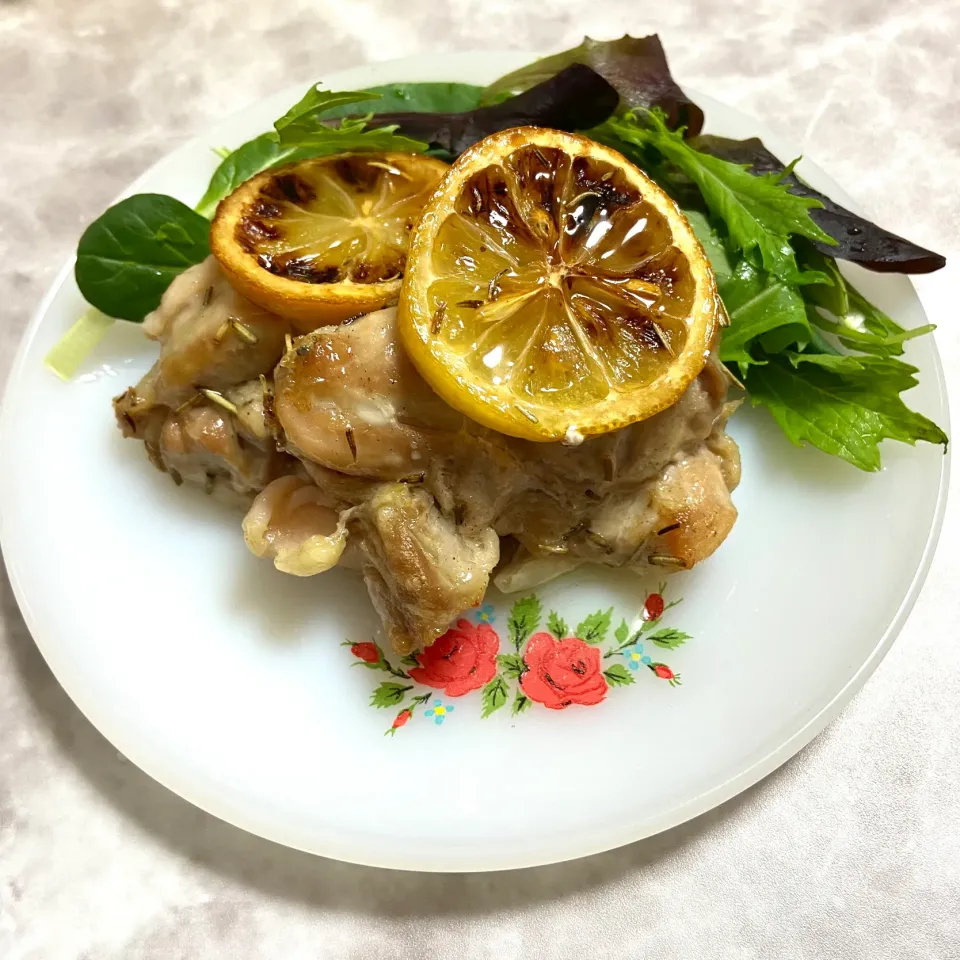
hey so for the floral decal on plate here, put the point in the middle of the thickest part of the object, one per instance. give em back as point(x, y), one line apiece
point(540, 661)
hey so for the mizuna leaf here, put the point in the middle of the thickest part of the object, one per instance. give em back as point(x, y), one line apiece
point(759, 304)
point(855, 238)
point(844, 405)
point(759, 212)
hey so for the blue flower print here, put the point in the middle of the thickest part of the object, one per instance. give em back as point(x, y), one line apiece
point(439, 711)
point(635, 657)
point(484, 614)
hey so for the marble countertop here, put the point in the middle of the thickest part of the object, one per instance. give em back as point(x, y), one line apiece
point(850, 850)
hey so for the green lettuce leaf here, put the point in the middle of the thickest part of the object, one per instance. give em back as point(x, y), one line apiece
point(844, 405)
point(416, 98)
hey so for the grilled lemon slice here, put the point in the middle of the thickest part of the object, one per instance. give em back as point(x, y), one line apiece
point(325, 239)
point(553, 291)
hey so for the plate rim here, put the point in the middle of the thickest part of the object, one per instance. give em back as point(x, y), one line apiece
point(670, 818)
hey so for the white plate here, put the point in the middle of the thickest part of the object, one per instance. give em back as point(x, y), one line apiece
point(227, 682)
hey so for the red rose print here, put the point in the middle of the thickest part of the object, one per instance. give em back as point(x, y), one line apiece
point(463, 659)
point(561, 672)
point(402, 717)
point(653, 608)
point(367, 652)
point(665, 673)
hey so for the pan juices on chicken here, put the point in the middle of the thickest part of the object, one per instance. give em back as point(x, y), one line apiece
point(546, 396)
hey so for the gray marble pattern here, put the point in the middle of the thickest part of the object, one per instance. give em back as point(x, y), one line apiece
point(850, 850)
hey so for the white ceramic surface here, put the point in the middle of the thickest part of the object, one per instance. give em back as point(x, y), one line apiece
point(226, 680)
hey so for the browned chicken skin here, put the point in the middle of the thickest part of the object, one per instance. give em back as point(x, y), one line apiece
point(359, 462)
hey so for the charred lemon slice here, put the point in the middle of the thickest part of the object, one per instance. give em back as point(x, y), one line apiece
point(324, 239)
point(553, 291)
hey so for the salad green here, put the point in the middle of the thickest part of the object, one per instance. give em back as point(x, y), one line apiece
point(758, 212)
point(791, 310)
point(806, 345)
point(127, 257)
point(300, 133)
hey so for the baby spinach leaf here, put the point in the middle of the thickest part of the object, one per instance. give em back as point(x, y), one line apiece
point(127, 257)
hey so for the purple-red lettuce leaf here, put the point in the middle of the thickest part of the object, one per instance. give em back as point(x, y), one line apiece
point(635, 66)
point(576, 98)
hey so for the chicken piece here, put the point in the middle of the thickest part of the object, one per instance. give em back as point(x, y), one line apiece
point(226, 452)
point(694, 512)
point(676, 521)
point(210, 337)
point(291, 522)
point(350, 400)
point(422, 570)
point(653, 496)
